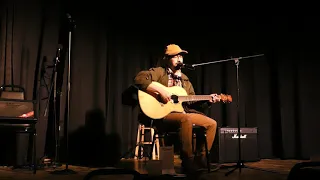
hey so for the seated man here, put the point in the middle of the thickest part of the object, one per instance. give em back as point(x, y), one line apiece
point(169, 74)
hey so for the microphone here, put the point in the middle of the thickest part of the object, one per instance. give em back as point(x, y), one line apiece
point(68, 16)
point(58, 52)
point(57, 58)
point(71, 21)
point(187, 66)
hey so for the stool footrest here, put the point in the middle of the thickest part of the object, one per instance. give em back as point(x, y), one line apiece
point(146, 142)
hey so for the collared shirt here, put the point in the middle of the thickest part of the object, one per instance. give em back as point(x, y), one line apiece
point(174, 79)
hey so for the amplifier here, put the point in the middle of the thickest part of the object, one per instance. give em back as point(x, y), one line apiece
point(225, 148)
point(16, 108)
point(15, 112)
point(16, 116)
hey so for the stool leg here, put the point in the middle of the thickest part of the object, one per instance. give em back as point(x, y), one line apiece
point(153, 147)
point(194, 136)
point(142, 140)
point(158, 147)
point(207, 152)
point(34, 161)
point(138, 142)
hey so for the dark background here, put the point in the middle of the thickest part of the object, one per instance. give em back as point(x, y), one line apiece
point(111, 43)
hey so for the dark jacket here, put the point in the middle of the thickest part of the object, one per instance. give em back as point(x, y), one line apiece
point(159, 74)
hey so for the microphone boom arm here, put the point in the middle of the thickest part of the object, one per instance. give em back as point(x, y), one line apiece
point(231, 59)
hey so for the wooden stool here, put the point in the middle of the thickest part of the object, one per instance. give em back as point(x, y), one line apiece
point(141, 142)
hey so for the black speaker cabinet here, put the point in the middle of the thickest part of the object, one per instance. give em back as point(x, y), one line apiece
point(225, 147)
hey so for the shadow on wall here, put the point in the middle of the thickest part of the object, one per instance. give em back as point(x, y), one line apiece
point(90, 146)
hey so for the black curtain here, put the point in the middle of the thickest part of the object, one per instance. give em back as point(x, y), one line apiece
point(278, 91)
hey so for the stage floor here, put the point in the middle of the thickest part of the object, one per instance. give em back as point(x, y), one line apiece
point(281, 167)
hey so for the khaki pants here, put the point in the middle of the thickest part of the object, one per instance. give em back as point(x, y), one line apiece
point(185, 122)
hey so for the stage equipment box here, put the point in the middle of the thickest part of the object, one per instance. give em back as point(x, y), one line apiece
point(225, 148)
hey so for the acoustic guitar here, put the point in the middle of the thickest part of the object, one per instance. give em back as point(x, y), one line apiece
point(152, 107)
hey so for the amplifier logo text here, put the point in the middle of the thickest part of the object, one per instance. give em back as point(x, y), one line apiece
point(235, 136)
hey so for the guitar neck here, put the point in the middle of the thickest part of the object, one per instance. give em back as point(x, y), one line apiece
point(195, 98)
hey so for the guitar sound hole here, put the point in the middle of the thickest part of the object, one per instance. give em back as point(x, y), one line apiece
point(174, 98)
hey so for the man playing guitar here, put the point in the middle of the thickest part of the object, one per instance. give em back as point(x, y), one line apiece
point(169, 74)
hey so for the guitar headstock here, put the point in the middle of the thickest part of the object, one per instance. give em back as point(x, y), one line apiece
point(226, 98)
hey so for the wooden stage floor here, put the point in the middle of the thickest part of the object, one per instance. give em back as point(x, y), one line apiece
point(282, 167)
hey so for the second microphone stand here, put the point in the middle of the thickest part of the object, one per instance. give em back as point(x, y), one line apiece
point(56, 124)
point(240, 164)
point(56, 120)
point(66, 171)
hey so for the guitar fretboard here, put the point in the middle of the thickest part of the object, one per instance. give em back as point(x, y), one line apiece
point(195, 98)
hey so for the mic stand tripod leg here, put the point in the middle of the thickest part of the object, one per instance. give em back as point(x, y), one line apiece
point(241, 165)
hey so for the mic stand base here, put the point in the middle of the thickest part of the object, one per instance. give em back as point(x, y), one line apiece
point(54, 165)
point(240, 166)
point(64, 172)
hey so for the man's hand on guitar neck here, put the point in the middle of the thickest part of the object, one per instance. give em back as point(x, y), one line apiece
point(215, 98)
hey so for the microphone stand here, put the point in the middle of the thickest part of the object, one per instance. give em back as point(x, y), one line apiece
point(240, 164)
point(56, 122)
point(66, 171)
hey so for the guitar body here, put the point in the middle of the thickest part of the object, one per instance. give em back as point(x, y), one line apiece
point(153, 108)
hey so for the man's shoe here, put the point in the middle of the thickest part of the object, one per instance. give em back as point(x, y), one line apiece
point(201, 161)
point(189, 166)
